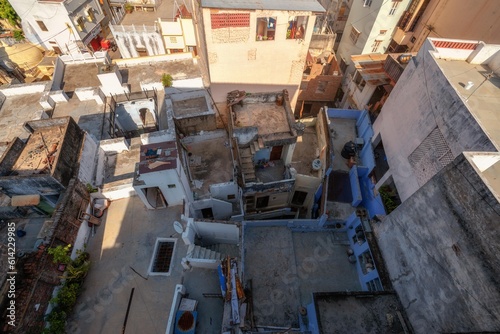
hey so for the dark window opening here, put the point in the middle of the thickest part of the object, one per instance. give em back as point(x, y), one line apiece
point(42, 26)
point(299, 197)
point(390, 195)
point(381, 165)
point(207, 213)
point(366, 262)
point(262, 202)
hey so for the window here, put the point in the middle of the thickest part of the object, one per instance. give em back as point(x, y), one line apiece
point(413, 39)
point(394, 7)
point(343, 65)
point(90, 15)
point(296, 27)
point(173, 39)
point(367, 3)
point(299, 197)
point(262, 202)
point(321, 88)
point(375, 45)
point(338, 37)
point(42, 26)
point(80, 24)
point(358, 80)
point(171, 185)
point(266, 28)
point(354, 35)
point(229, 197)
point(382, 32)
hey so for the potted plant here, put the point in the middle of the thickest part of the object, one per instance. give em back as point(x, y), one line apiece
point(129, 8)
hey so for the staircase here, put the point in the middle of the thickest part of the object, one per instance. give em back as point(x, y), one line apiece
point(247, 164)
point(201, 253)
point(247, 167)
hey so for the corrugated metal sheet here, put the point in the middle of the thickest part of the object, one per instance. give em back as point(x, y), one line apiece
point(305, 5)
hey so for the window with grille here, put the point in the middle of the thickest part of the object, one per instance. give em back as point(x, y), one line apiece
point(382, 32)
point(42, 26)
point(163, 253)
point(173, 39)
point(394, 7)
point(354, 35)
point(375, 45)
point(367, 3)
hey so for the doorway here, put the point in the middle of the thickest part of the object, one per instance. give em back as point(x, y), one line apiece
point(155, 197)
point(276, 153)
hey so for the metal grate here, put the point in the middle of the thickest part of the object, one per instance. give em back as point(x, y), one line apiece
point(430, 156)
point(230, 20)
point(163, 257)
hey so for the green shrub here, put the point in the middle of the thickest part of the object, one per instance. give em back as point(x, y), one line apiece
point(60, 254)
point(166, 80)
point(18, 35)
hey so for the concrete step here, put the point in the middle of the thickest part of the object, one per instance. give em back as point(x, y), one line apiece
point(247, 165)
point(246, 160)
point(246, 153)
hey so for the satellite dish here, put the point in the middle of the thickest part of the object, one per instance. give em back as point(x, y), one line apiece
point(178, 227)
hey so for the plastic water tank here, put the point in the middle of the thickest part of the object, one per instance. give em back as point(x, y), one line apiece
point(316, 164)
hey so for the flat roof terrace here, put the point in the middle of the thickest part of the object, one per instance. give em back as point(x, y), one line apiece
point(15, 111)
point(483, 99)
point(40, 152)
point(287, 267)
point(360, 312)
point(210, 161)
point(269, 118)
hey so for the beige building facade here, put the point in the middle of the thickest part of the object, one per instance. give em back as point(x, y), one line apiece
point(462, 19)
point(256, 49)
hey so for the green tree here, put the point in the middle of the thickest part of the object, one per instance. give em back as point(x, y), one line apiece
point(8, 13)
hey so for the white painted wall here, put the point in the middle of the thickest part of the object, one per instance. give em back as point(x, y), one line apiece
point(22, 89)
point(416, 106)
point(88, 159)
point(223, 190)
point(116, 145)
point(162, 179)
point(56, 17)
point(216, 233)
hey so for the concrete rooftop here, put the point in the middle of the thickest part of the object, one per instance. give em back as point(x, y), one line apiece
point(286, 267)
point(338, 204)
point(482, 99)
point(269, 118)
point(121, 251)
point(210, 163)
point(37, 156)
point(368, 313)
point(15, 111)
point(306, 150)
